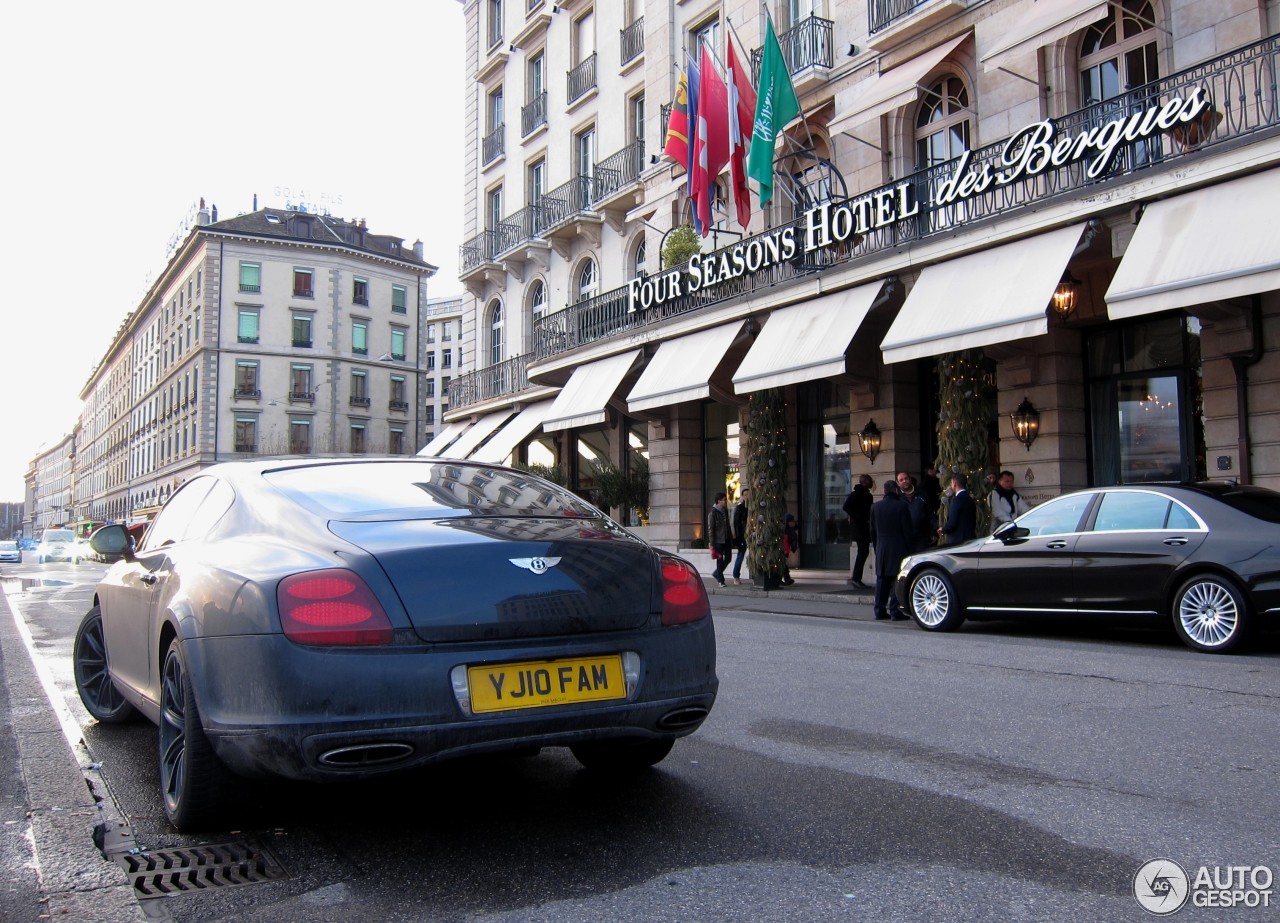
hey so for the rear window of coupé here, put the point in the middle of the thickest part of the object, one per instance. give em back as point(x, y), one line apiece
point(423, 491)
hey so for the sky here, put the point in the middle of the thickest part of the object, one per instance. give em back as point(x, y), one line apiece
point(119, 118)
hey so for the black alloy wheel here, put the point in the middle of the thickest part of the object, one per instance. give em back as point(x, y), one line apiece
point(192, 779)
point(92, 668)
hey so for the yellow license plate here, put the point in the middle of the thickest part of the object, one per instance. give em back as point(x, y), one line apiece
point(539, 683)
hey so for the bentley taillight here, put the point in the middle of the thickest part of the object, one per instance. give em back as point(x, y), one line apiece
point(331, 608)
point(684, 597)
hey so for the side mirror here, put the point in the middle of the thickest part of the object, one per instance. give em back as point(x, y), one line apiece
point(113, 540)
point(1009, 532)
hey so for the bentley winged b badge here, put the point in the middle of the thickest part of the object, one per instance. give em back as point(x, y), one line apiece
point(536, 565)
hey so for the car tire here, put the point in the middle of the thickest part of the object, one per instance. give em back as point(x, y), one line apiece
point(192, 779)
point(931, 599)
point(92, 669)
point(622, 754)
point(1211, 614)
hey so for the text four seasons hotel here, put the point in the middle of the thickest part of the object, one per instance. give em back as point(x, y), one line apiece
point(1027, 234)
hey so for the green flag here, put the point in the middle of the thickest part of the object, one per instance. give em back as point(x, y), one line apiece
point(776, 105)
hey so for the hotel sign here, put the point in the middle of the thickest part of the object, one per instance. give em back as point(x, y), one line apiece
point(1030, 152)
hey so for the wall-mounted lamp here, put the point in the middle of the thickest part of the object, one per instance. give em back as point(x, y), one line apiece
point(853, 49)
point(1026, 423)
point(869, 440)
point(512, 48)
point(1064, 296)
point(653, 160)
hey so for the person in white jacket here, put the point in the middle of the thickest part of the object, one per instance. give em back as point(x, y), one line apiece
point(1006, 503)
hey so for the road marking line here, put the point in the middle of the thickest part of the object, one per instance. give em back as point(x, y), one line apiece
point(71, 729)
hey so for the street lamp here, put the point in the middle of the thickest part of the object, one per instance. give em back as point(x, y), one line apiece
point(1026, 423)
point(869, 440)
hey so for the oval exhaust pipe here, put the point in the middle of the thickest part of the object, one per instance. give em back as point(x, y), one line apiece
point(361, 756)
point(683, 718)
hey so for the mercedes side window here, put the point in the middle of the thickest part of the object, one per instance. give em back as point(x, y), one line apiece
point(1056, 516)
point(1126, 511)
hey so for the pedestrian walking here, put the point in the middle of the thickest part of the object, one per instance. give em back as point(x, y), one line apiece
point(718, 535)
point(1006, 503)
point(740, 534)
point(962, 513)
point(891, 533)
point(858, 508)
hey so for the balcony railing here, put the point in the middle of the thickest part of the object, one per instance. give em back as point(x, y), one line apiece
point(248, 394)
point(807, 44)
point(304, 397)
point(533, 115)
point(618, 170)
point(882, 12)
point(516, 229)
point(493, 146)
point(246, 448)
point(632, 40)
point(398, 405)
point(582, 78)
point(503, 378)
point(359, 401)
point(561, 203)
point(249, 288)
point(664, 120)
point(477, 251)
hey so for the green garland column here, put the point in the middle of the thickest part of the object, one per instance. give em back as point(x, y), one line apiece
point(764, 449)
point(966, 408)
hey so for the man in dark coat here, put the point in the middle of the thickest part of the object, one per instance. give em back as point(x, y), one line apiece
point(858, 508)
point(921, 530)
point(962, 513)
point(891, 533)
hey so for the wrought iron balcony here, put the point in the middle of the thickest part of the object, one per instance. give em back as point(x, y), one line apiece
point(494, 144)
point(882, 12)
point(618, 170)
point(358, 401)
point(499, 380)
point(632, 40)
point(567, 200)
point(398, 405)
point(516, 229)
point(533, 115)
point(248, 394)
point(582, 78)
point(477, 251)
point(304, 397)
point(807, 44)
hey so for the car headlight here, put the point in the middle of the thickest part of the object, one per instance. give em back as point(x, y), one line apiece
point(907, 563)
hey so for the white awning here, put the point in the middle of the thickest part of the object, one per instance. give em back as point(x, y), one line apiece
point(682, 368)
point(891, 90)
point(1036, 25)
point(1208, 245)
point(443, 438)
point(805, 341)
point(992, 296)
point(477, 432)
point(587, 393)
point(498, 449)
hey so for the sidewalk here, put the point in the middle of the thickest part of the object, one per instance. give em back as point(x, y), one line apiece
point(812, 585)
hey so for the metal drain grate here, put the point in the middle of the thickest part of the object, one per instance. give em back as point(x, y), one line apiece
point(187, 869)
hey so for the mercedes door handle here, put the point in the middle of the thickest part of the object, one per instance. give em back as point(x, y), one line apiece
point(1057, 545)
point(1175, 541)
point(149, 579)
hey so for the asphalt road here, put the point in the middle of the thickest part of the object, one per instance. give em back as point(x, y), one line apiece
point(851, 770)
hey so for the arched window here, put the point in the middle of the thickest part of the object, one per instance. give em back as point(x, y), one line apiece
point(538, 299)
point(942, 124)
point(639, 260)
point(1119, 52)
point(588, 279)
point(495, 333)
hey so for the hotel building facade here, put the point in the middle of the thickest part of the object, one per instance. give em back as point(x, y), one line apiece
point(1072, 197)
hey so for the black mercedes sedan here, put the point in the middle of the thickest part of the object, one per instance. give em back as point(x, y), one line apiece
point(1206, 555)
point(333, 619)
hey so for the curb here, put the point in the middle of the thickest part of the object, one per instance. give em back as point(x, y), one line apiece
point(80, 885)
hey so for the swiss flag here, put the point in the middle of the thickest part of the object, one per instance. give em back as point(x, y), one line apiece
point(711, 141)
point(742, 108)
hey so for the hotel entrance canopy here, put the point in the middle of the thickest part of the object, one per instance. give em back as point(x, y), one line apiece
point(682, 368)
point(444, 438)
point(1209, 245)
point(987, 297)
point(587, 393)
point(805, 341)
point(477, 432)
point(505, 440)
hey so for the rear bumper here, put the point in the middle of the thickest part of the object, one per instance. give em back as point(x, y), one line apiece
point(273, 708)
